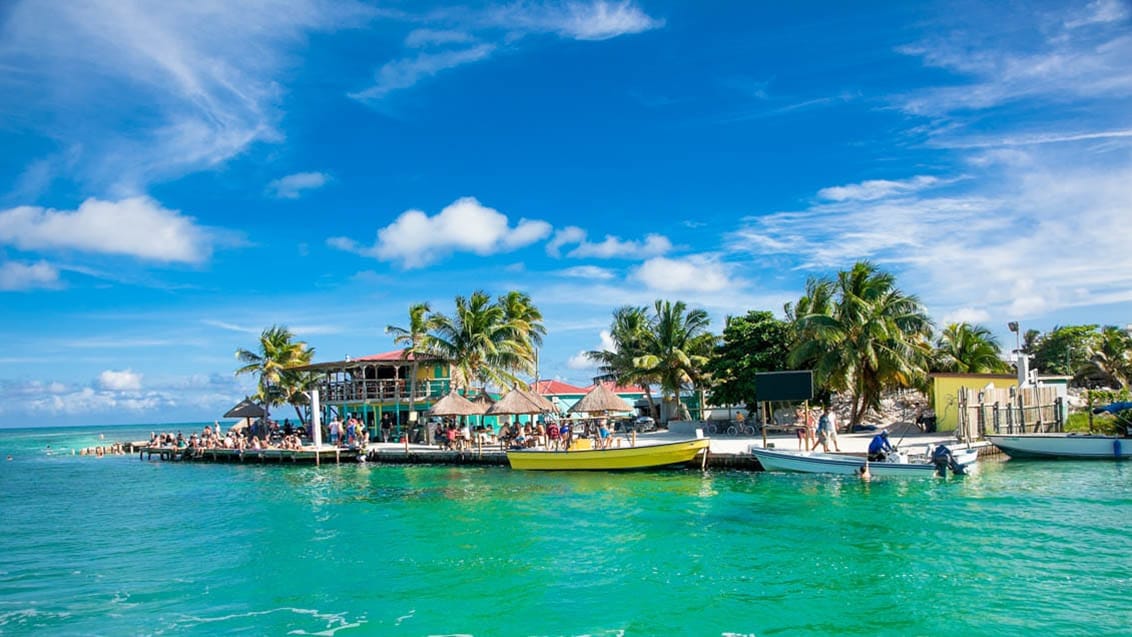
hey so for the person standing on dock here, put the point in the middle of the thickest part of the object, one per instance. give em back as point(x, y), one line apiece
point(827, 430)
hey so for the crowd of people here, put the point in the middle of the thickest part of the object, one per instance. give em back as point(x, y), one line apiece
point(262, 434)
point(556, 435)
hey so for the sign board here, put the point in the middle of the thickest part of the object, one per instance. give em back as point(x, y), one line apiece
point(775, 386)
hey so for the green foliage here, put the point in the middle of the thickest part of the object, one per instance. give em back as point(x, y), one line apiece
point(669, 347)
point(1110, 359)
point(1064, 350)
point(757, 342)
point(969, 349)
point(277, 352)
point(860, 333)
point(487, 341)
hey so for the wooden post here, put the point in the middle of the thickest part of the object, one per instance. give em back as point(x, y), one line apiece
point(762, 406)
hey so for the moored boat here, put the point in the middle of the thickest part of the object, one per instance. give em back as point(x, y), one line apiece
point(958, 462)
point(1064, 445)
point(620, 458)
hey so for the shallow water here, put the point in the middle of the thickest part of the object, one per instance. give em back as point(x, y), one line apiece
point(116, 545)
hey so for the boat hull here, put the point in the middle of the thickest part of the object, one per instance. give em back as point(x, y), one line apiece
point(642, 457)
point(1069, 446)
point(812, 462)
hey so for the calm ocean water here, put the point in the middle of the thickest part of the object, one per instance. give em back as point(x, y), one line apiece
point(117, 546)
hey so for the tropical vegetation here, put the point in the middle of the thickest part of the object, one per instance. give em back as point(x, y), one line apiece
point(276, 383)
point(487, 341)
point(861, 334)
point(968, 349)
point(757, 342)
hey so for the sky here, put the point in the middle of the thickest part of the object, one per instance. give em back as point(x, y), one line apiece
point(178, 176)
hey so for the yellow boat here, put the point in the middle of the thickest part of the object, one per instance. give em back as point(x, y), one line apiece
point(642, 457)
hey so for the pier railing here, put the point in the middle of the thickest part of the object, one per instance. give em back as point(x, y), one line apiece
point(384, 390)
point(1009, 411)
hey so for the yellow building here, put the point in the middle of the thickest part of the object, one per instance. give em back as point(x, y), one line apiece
point(945, 393)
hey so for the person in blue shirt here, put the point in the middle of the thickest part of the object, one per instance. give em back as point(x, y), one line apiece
point(880, 447)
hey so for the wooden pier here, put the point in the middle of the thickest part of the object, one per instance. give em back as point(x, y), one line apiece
point(308, 455)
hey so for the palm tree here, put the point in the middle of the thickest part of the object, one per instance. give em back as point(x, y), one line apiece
point(481, 344)
point(524, 326)
point(675, 349)
point(413, 341)
point(870, 336)
point(277, 353)
point(1110, 358)
point(630, 325)
point(970, 349)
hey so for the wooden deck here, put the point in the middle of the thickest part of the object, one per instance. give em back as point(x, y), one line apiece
point(308, 455)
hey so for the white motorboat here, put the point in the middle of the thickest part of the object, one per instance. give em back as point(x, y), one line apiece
point(897, 464)
point(1064, 445)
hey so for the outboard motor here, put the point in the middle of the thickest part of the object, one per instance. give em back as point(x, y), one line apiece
point(943, 460)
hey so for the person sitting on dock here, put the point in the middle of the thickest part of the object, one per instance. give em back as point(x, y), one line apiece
point(880, 447)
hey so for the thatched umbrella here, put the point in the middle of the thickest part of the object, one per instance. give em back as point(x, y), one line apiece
point(540, 400)
point(599, 401)
point(515, 402)
point(246, 409)
point(456, 405)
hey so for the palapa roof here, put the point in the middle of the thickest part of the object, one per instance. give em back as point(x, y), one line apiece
point(456, 405)
point(600, 400)
point(516, 401)
point(246, 408)
point(542, 401)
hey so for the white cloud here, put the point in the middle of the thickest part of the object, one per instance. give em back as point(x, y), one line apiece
point(1099, 12)
point(477, 35)
point(587, 272)
point(406, 72)
point(610, 248)
point(415, 239)
point(969, 315)
point(183, 85)
point(615, 248)
point(293, 186)
point(1025, 240)
point(598, 20)
point(690, 274)
point(580, 361)
point(430, 37)
point(566, 236)
point(20, 276)
point(1083, 62)
point(877, 188)
point(125, 380)
point(138, 227)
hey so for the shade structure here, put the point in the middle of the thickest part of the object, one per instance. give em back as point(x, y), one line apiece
point(239, 425)
point(515, 402)
point(542, 401)
point(600, 400)
point(246, 409)
point(456, 405)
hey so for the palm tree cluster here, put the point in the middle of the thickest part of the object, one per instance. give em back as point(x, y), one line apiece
point(857, 331)
point(669, 347)
point(276, 354)
point(861, 334)
point(485, 341)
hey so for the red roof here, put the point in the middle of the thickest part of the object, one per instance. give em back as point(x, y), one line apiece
point(618, 389)
point(557, 387)
point(395, 355)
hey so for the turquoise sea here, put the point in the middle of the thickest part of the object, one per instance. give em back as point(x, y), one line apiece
point(120, 546)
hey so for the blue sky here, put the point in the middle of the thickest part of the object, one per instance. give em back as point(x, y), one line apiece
point(177, 176)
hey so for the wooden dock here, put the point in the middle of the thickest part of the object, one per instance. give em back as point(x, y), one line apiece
point(309, 455)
